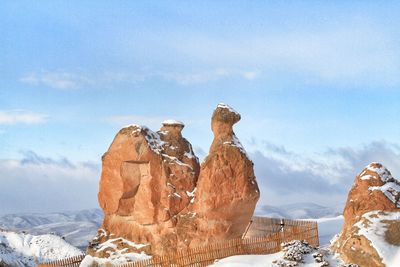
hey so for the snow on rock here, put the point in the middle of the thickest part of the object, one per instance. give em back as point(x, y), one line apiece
point(294, 250)
point(19, 249)
point(390, 186)
point(227, 190)
point(117, 251)
point(225, 106)
point(236, 143)
point(370, 235)
point(391, 191)
point(374, 226)
point(143, 185)
point(384, 174)
point(294, 254)
point(114, 259)
point(172, 122)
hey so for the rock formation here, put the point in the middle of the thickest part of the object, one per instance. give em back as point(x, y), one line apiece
point(156, 199)
point(372, 218)
point(227, 191)
point(144, 183)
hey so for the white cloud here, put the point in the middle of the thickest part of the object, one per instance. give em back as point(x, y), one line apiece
point(359, 54)
point(250, 75)
point(287, 177)
point(21, 116)
point(191, 78)
point(39, 184)
point(71, 80)
point(57, 80)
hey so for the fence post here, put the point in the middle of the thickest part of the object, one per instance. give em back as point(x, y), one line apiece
point(247, 228)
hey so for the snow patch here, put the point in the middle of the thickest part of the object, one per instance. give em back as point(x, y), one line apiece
point(236, 143)
point(114, 259)
point(19, 249)
point(375, 233)
point(383, 173)
point(225, 106)
point(391, 191)
point(391, 187)
point(172, 122)
point(109, 244)
point(366, 177)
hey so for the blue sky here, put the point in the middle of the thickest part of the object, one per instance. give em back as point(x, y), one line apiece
point(317, 84)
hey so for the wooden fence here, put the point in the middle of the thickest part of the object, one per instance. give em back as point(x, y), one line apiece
point(264, 236)
point(68, 262)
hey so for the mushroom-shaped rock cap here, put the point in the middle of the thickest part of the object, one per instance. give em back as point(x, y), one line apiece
point(173, 123)
point(172, 127)
point(226, 114)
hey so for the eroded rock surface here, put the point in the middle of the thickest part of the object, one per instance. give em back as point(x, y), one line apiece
point(157, 199)
point(227, 191)
point(372, 208)
point(144, 183)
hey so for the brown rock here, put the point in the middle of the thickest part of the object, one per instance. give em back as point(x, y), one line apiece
point(374, 195)
point(157, 200)
point(227, 191)
point(144, 183)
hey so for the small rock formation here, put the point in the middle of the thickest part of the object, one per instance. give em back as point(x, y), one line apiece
point(372, 218)
point(227, 191)
point(156, 199)
point(295, 252)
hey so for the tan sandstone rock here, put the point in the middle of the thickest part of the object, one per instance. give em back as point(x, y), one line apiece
point(227, 191)
point(144, 183)
point(371, 213)
point(156, 199)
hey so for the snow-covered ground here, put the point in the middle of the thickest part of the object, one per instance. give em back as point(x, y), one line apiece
point(19, 249)
point(80, 227)
point(327, 228)
point(77, 227)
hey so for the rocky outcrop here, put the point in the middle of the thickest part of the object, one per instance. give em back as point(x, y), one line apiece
point(371, 213)
point(156, 199)
point(144, 183)
point(227, 191)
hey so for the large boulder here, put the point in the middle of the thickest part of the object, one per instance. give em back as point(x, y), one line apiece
point(371, 233)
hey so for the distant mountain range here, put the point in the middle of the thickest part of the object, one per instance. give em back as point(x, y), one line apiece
point(304, 210)
point(78, 227)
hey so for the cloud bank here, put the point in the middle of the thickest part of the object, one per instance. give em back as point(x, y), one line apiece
point(21, 116)
point(286, 177)
point(36, 183)
point(67, 80)
point(39, 184)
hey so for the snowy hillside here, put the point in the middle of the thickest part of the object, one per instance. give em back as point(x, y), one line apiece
point(77, 227)
point(19, 249)
point(81, 226)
